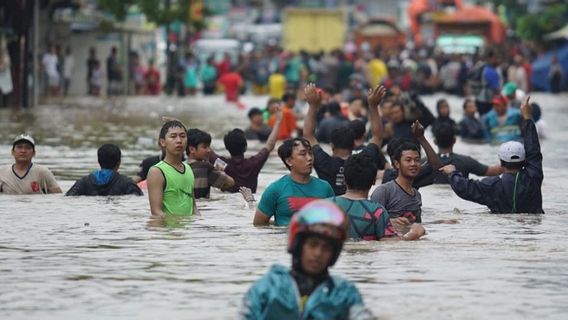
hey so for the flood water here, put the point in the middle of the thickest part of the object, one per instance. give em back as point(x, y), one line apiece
point(100, 258)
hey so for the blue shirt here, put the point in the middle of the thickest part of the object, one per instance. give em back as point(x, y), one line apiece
point(508, 131)
point(276, 296)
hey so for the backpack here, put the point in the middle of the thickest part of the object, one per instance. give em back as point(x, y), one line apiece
point(475, 78)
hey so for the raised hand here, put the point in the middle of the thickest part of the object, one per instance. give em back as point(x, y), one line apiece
point(526, 108)
point(313, 95)
point(376, 95)
point(417, 129)
point(448, 169)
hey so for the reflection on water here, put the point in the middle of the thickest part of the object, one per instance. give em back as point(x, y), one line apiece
point(86, 258)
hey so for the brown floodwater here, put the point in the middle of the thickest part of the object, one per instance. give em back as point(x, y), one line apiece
point(100, 258)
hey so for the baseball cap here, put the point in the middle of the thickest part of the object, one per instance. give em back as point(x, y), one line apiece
point(512, 151)
point(24, 137)
point(509, 88)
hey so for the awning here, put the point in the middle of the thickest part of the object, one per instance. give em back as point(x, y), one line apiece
point(558, 34)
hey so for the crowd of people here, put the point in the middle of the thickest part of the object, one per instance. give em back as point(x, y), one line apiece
point(187, 168)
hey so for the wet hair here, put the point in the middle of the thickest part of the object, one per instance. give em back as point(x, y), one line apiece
point(358, 128)
point(439, 104)
point(395, 143)
point(513, 165)
point(406, 146)
point(445, 135)
point(108, 156)
point(253, 112)
point(170, 124)
point(360, 172)
point(287, 96)
point(466, 101)
point(195, 137)
point(342, 137)
point(235, 142)
point(334, 108)
point(286, 149)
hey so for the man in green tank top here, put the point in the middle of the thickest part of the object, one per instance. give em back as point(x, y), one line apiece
point(170, 182)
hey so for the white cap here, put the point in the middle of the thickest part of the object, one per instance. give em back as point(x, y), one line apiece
point(24, 137)
point(512, 151)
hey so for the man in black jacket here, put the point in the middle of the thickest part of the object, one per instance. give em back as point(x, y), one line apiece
point(518, 189)
point(106, 181)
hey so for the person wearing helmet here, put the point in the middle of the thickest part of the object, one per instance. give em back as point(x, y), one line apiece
point(518, 189)
point(307, 290)
point(24, 176)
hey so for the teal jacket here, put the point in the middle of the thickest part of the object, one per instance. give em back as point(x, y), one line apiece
point(276, 296)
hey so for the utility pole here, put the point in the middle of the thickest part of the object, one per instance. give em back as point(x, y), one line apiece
point(35, 48)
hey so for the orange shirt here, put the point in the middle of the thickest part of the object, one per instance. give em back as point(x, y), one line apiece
point(287, 125)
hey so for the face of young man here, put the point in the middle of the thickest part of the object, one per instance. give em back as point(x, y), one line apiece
point(175, 141)
point(301, 161)
point(201, 152)
point(257, 120)
point(470, 108)
point(23, 152)
point(409, 164)
point(316, 255)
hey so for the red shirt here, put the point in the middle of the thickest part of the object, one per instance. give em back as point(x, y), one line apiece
point(232, 82)
point(152, 80)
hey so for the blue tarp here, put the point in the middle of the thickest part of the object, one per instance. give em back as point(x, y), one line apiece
point(541, 68)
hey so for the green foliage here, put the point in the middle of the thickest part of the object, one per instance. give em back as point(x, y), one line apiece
point(534, 26)
point(156, 11)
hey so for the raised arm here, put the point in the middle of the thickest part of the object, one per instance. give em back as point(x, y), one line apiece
point(314, 98)
point(271, 141)
point(530, 137)
point(433, 159)
point(374, 99)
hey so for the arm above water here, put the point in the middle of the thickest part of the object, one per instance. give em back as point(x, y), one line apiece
point(433, 159)
point(531, 142)
point(468, 189)
point(156, 184)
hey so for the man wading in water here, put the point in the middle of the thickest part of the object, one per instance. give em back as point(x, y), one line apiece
point(170, 182)
point(518, 189)
point(307, 290)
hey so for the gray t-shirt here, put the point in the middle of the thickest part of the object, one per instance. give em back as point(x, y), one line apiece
point(397, 202)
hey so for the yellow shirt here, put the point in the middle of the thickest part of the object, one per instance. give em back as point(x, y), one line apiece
point(377, 71)
point(276, 85)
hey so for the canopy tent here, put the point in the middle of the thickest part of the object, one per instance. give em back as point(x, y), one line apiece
point(558, 34)
point(541, 68)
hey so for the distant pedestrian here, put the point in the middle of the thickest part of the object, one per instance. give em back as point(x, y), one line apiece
point(49, 63)
point(91, 63)
point(114, 73)
point(555, 75)
point(68, 66)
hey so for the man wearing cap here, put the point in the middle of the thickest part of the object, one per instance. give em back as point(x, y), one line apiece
point(502, 124)
point(25, 177)
point(518, 189)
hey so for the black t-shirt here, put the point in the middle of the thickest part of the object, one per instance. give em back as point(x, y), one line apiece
point(428, 176)
point(146, 165)
point(331, 169)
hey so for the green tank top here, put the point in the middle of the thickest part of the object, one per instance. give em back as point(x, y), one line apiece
point(178, 191)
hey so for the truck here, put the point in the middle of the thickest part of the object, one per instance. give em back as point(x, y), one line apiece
point(314, 30)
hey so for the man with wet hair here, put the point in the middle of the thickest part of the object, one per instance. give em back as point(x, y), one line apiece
point(24, 176)
point(243, 170)
point(106, 181)
point(205, 174)
point(170, 182)
point(368, 220)
point(518, 189)
point(290, 193)
point(399, 197)
point(331, 168)
point(257, 129)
